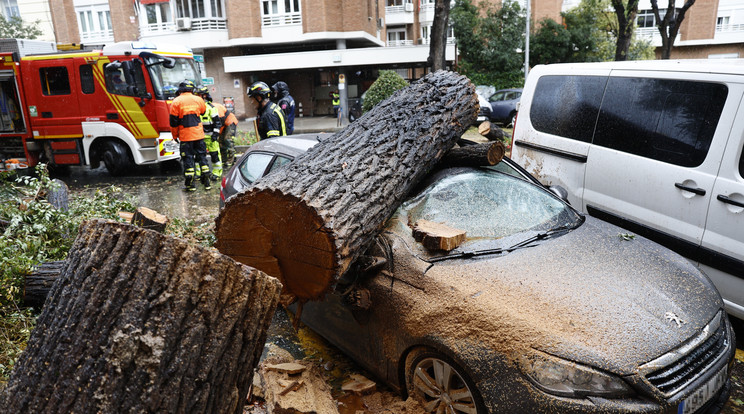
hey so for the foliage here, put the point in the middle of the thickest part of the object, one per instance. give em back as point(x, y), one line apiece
point(245, 138)
point(387, 82)
point(490, 41)
point(15, 328)
point(192, 231)
point(15, 28)
point(588, 34)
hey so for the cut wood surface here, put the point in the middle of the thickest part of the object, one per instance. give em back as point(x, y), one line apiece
point(493, 133)
point(437, 236)
point(304, 393)
point(307, 222)
point(149, 219)
point(140, 322)
point(38, 284)
point(476, 155)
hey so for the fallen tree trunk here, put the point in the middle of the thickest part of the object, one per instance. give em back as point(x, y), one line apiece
point(38, 284)
point(141, 322)
point(306, 223)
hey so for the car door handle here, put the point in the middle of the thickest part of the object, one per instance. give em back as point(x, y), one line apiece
point(698, 191)
point(729, 200)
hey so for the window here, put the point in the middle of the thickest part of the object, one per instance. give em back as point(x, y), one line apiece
point(666, 120)
point(94, 22)
point(279, 162)
point(255, 165)
point(723, 20)
point(567, 106)
point(10, 8)
point(280, 12)
point(11, 119)
point(158, 13)
point(396, 36)
point(54, 81)
point(126, 82)
point(87, 82)
point(645, 18)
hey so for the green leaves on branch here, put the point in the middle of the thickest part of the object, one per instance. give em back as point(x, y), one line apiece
point(15, 28)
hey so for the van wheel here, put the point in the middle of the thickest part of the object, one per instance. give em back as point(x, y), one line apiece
point(439, 385)
point(116, 158)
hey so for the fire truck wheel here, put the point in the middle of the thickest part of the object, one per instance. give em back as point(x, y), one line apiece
point(116, 158)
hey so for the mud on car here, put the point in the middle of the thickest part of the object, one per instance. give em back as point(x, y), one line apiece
point(540, 309)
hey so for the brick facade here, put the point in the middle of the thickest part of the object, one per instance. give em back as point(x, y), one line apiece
point(700, 20)
point(64, 21)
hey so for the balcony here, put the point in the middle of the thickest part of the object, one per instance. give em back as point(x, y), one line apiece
point(396, 43)
point(207, 23)
point(729, 28)
point(396, 15)
point(98, 36)
point(283, 19)
point(426, 14)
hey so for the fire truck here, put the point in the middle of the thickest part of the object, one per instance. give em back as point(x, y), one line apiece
point(105, 106)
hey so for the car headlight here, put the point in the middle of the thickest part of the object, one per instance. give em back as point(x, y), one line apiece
point(569, 379)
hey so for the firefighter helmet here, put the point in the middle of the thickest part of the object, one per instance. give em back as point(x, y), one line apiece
point(186, 86)
point(202, 90)
point(259, 89)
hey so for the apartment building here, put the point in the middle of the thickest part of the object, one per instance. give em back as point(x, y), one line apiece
point(315, 46)
point(31, 11)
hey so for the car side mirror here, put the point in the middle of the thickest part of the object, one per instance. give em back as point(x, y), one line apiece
point(560, 192)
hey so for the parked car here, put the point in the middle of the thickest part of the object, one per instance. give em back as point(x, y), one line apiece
point(264, 157)
point(540, 309)
point(504, 106)
point(484, 113)
point(652, 146)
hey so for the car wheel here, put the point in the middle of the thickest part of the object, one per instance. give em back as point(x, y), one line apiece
point(116, 158)
point(512, 120)
point(352, 118)
point(439, 385)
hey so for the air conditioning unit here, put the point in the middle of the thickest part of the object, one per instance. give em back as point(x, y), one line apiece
point(183, 23)
point(408, 7)
point(380, 23)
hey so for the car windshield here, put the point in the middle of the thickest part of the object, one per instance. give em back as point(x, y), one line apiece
point(165, 81)
point(490, 205)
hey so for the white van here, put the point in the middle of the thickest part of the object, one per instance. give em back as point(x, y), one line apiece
point(652, 146)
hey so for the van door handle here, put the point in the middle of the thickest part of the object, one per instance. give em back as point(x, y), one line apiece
point(698, 191)
point(729, 200)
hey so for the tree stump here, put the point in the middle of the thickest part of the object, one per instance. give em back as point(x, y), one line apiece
point(140, 322)
point(306, 223)
point(38, 284)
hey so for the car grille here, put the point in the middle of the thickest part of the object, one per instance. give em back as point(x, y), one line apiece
point(685, 364)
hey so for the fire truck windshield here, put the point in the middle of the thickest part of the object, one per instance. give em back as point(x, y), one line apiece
point(165, 81)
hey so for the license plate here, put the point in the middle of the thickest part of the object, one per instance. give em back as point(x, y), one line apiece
point(701, 396)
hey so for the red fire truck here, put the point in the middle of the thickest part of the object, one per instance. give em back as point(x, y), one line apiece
point(87, 107)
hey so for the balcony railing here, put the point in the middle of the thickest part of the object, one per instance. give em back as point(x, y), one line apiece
point(393, 43)
point(207, 23)
point(730, 28)
point(282, 19)
point(97, 36)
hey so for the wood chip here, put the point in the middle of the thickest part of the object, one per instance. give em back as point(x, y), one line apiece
point(437, 236)
point(292, 386)
point(290, 368)
point(359, 385)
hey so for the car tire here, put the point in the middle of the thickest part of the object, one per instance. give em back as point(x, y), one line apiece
point(116, 158)
point(432, 379)
point(512, 120)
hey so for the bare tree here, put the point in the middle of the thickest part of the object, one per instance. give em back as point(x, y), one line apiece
point(438, 36)
point(669, 25)
point(626, 16)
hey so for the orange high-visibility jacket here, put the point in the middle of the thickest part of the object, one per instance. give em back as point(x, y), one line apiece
point(227, 117)
point(185, 117)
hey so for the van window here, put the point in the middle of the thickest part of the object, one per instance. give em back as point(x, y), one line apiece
point(87, 83)
point(54, 81)
point(741, 163)
point(567, 106)
point(667, 120)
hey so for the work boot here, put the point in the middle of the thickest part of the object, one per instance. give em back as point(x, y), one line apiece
point(215, 178)
point(190, 184)
point(206, 182)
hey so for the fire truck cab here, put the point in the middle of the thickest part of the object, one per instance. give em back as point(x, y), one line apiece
point(88, 107)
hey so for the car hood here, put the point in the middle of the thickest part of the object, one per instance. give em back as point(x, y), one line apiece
point(590, 296)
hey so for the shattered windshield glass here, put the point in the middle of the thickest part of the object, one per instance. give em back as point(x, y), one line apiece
point(165, 81)
point(489, 205)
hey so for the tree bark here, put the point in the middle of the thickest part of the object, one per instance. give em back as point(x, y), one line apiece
point(490, 132)
point(306, 223)
point(438, 36)
point(669, 25)
point(38, 284)
point(626, 22)
point(142, 323)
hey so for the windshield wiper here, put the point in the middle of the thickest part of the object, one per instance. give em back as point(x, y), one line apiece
point(524, 243)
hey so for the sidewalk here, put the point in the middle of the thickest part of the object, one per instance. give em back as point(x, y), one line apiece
point(304, 125)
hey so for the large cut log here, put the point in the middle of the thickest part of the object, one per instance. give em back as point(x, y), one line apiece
point(38, 284)
point(140, 322)
point(476, 155)
point(307, 222)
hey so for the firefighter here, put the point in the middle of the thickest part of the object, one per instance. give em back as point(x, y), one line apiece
point(185, 121)
point(212, 123)
point(227, 133)
point(271, 122)
point(281, 96)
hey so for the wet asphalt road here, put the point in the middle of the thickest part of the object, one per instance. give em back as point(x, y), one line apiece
point(160, 189)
